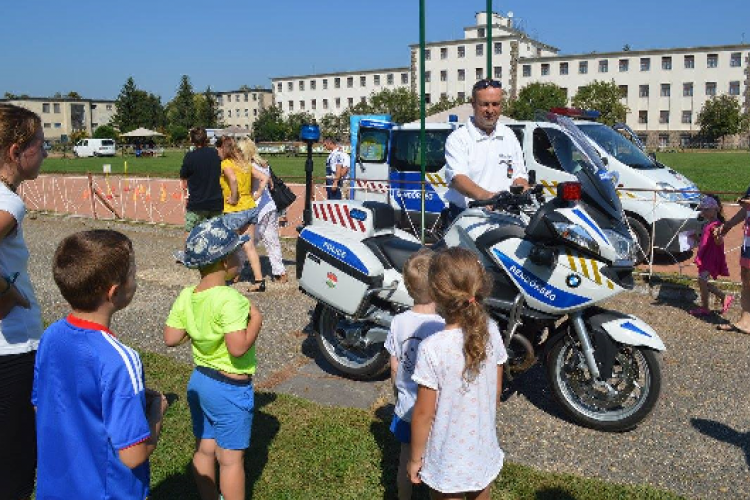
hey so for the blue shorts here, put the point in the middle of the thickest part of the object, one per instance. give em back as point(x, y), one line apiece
point(221, 408)
point(237, 220)
point(401, 429)
point(333, 194)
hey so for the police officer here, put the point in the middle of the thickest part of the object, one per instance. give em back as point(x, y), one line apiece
point(483, 157)
point(337, 168)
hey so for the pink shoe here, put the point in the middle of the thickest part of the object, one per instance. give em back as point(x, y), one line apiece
point(700, 312)
point(727, 303)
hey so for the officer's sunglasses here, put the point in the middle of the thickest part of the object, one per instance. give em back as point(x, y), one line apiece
point(483, 84)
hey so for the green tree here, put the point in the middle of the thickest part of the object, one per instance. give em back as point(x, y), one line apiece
point(334, 126)
point(401, 103)
point(126, 117)
point(105, 132)
point(270, 125)
point(444, 104)
point(182, 107)
point(604, 97)
point(206, 109)
point(73, 95)
point(721, 116)
point(536, 96)
point(177, 134)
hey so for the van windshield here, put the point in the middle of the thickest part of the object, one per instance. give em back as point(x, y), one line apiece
point(405, 150)
point(618, 146)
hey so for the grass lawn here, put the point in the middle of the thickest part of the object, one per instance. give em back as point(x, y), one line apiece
point(301, 450)
point(714, 171)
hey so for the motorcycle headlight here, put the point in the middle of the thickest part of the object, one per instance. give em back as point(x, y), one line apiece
point(624, 245)
point(669, 192)
point(576, 235)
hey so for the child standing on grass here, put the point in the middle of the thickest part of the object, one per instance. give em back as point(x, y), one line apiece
point(710, 258)
point(97, 424)
point(408, 330)
point(223, 327)
point(454, 447)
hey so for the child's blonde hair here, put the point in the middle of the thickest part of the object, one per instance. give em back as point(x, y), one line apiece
point(458, 284)
point(416, 276)
point(248, 154)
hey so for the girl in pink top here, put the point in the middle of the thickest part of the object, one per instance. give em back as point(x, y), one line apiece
point(710, 259)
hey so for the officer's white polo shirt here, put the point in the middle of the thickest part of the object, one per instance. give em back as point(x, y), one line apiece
point(492, 161)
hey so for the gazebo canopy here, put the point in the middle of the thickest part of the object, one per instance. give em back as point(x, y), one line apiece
point(234, 131)
point(142, 132)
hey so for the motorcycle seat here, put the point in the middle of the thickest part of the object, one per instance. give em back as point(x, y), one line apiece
point(383, 215)
point(391, 250)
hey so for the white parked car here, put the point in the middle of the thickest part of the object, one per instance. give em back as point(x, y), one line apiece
point(95, 147)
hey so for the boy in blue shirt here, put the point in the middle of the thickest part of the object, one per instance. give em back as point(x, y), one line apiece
point(97, 424)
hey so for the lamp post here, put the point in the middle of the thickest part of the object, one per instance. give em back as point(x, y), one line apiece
point(309, 133)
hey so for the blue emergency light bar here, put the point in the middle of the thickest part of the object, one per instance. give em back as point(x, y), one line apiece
point(378, 124)
point(581, 114)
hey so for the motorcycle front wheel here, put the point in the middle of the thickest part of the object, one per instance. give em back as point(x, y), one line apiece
point(626, 399)
point(357, 361)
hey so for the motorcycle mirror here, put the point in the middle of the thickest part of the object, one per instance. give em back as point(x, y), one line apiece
point(516, 189)
point(532, 177)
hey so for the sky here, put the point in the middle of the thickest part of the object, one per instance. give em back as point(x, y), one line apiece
point(92, 47)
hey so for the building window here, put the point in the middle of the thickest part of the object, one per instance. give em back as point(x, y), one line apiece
point(247, 111)
point(443, 95)
point(45, 107)
point(325, 83)
point(461, 75)
point(603, 66)
point(666, 63)
point(302, 105)
point(362, 81)
point(237, 98)
point(624, 65)
point(363, 99)
point(663, 140)
point(312, 86)
point(663, 116)
point(389, 79)
point(687, 117)
point(337, 83)
point(684, 140)
point(735, 60)
point(58, 125)
point(443, 53)
point(461, 51)
point(247, 98)
point(47, 125)
point(481, 32)
point(350, 102)
point(527, 70)
point(404, 78)
point(499, 72)
point(325, 103)
point(289, 88)
point(376, 79)
point(56, 107)
point(734, 88)
point(645, 64)
point(427, 54)
point(583, 67)
point(624, 91)
point(687, 89)
point(427, 99)
point(498, 47)
point(711, 88)
point(350, 82)
point(643, 91)
point(643, 117)
point(563, 68)
point(301, 85)
point(291, 108)
point(712, 60)
point(255, 111)
point(220, 98)
point(278, 89)
point(444, 76)
point(462, 96)
point(338, 103)
point(480, 49)
point(545, 69)
point(666, 90)
point(689, 62)
point(428, 76)
point(479, 73)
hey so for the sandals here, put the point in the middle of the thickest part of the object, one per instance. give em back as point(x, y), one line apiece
point(731, 327)
point(728, 299)
point(700, 312)
point(258, 286)
point(281, 278)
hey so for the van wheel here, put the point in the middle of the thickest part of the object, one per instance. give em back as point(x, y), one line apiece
point(642, 239)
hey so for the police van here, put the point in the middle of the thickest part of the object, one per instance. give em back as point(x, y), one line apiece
point(657, 201)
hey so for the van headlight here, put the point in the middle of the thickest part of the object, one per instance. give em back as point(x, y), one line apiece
point(667, 192)
point(576, 235)
point(624, 245)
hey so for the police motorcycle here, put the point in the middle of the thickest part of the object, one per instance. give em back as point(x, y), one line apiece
point(551, 264)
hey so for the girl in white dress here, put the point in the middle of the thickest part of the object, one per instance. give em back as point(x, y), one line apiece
point(454, 446)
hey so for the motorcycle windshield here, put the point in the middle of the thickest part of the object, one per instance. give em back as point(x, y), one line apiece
point(578, 157)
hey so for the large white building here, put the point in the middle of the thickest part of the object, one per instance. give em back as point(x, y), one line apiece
point(664, 89)
point(240, 108)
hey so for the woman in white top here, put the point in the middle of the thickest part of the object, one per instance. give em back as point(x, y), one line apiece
point(454, 447)
point(268, 218)
point(21, 155)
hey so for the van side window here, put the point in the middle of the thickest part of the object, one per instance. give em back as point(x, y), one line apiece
point(544, 153)
point(406, 155)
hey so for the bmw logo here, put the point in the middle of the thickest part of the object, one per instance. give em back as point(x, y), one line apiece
point(573, 281)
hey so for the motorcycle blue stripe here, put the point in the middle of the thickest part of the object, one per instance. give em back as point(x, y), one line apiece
point(334, 249)
point(630, 326)
point(539, 288)
point(585, 218)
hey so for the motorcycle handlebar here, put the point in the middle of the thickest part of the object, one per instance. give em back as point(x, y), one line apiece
point(507, 199)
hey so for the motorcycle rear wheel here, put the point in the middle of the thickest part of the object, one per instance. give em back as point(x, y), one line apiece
point(361, 364)
point(635, 380)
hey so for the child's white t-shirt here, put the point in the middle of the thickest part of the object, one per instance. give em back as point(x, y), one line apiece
point(462, 452)
point(408, 330)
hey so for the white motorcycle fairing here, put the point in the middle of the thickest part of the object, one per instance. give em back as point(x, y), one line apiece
point(631, 330)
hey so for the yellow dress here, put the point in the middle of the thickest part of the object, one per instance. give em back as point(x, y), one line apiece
point(244, 187)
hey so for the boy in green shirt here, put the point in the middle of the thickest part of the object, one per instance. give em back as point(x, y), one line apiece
point(222, 326)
